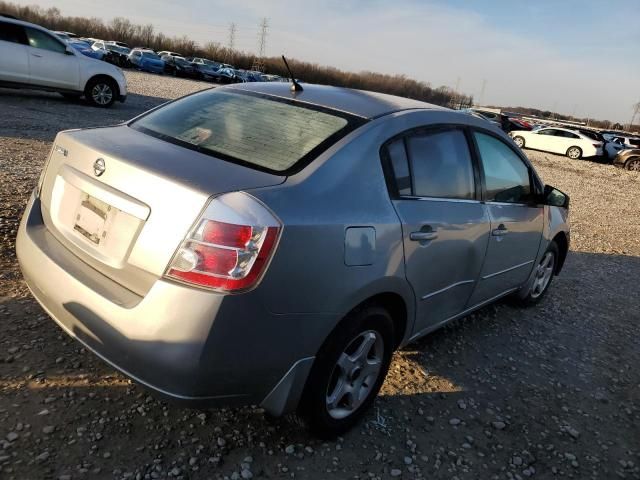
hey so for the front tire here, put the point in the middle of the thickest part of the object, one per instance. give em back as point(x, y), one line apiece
point(348, 372)
point(519, 141)
point(574, 153)
point(543, 276)
point(101, 92)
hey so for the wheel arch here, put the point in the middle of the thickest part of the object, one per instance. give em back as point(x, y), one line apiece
point(103, 76)
point(395, 304)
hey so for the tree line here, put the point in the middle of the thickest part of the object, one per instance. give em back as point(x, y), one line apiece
point(136, 35)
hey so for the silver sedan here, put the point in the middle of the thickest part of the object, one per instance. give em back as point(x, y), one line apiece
point(253, 244)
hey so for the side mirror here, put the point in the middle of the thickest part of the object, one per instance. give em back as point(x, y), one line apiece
point(69, 51)
point(554, 197)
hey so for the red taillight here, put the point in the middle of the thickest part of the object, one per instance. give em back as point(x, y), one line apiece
point(221, 233)
point(230, 246)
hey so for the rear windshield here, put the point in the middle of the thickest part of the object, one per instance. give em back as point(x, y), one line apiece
point(261, 131)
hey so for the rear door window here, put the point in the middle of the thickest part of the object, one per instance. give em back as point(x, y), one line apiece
point(441, 165)
point(10, 32)
point(434, 164)
point(262, 131)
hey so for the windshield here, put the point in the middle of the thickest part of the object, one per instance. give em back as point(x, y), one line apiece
point(182, 61)
point(265, 132)
point(150, 55)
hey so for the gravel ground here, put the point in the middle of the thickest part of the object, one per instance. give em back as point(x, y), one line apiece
point(547, 392)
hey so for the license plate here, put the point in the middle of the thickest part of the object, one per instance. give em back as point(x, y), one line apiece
point(91, 217)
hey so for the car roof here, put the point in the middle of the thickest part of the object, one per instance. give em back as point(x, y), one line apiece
point(566, 129)
point(362, 103)
point(25, 24)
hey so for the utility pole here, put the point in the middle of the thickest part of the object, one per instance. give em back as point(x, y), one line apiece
point(457, 98)
point(482, 90)
point(258, 63)
point(232, 35)
point(636, 109)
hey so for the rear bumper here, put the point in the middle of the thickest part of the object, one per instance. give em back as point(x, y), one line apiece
point(186, 344)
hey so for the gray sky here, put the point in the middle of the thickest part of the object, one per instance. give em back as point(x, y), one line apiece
point(577, 56)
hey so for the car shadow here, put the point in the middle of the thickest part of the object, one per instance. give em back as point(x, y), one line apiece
point(501, 376)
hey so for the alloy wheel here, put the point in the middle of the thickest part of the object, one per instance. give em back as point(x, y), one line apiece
point(102, 93)
point(544, 272)
point(355, 374)
point(574, 153)
point(634, 165)
point(519, 142)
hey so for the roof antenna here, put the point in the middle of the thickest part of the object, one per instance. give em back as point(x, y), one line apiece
point(295, 86)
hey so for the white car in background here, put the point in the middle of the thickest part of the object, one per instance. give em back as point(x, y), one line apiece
point(558, 140)
point(33, 57)
point(166, 52)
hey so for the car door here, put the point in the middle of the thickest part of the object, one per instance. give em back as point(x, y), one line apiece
point(49, 63)
point(14, 63)
point(566, 140)
point(510, 191)
point(546, 140)
point(445, 226)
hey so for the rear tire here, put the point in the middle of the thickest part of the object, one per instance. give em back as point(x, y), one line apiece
point(543, 276)
point(101, 92)
point(348, 372)
point(574, 153)
point(633, 164)
point(519, 141)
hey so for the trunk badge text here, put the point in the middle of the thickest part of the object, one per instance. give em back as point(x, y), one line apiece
point(99, 167)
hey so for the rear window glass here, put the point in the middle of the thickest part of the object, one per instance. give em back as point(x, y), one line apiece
point(265, 132)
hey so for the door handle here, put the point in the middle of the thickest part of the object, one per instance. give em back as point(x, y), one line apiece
point(501, 231)
point(423, 236)
point(36, 55)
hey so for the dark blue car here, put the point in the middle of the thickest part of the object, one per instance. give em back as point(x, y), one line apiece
point(146, 60)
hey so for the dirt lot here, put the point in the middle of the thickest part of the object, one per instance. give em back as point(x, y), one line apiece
point(548, 392)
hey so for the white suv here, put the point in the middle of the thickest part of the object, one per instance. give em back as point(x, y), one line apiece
point(33, 57)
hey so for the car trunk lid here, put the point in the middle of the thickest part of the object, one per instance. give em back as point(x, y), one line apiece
point(122, 201)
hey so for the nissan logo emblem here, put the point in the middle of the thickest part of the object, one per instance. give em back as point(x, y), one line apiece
point(99, 167)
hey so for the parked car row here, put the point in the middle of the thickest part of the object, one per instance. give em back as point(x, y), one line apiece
point(573, 141)
point(163, 62)
point(577, 143)
point(33, 57)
